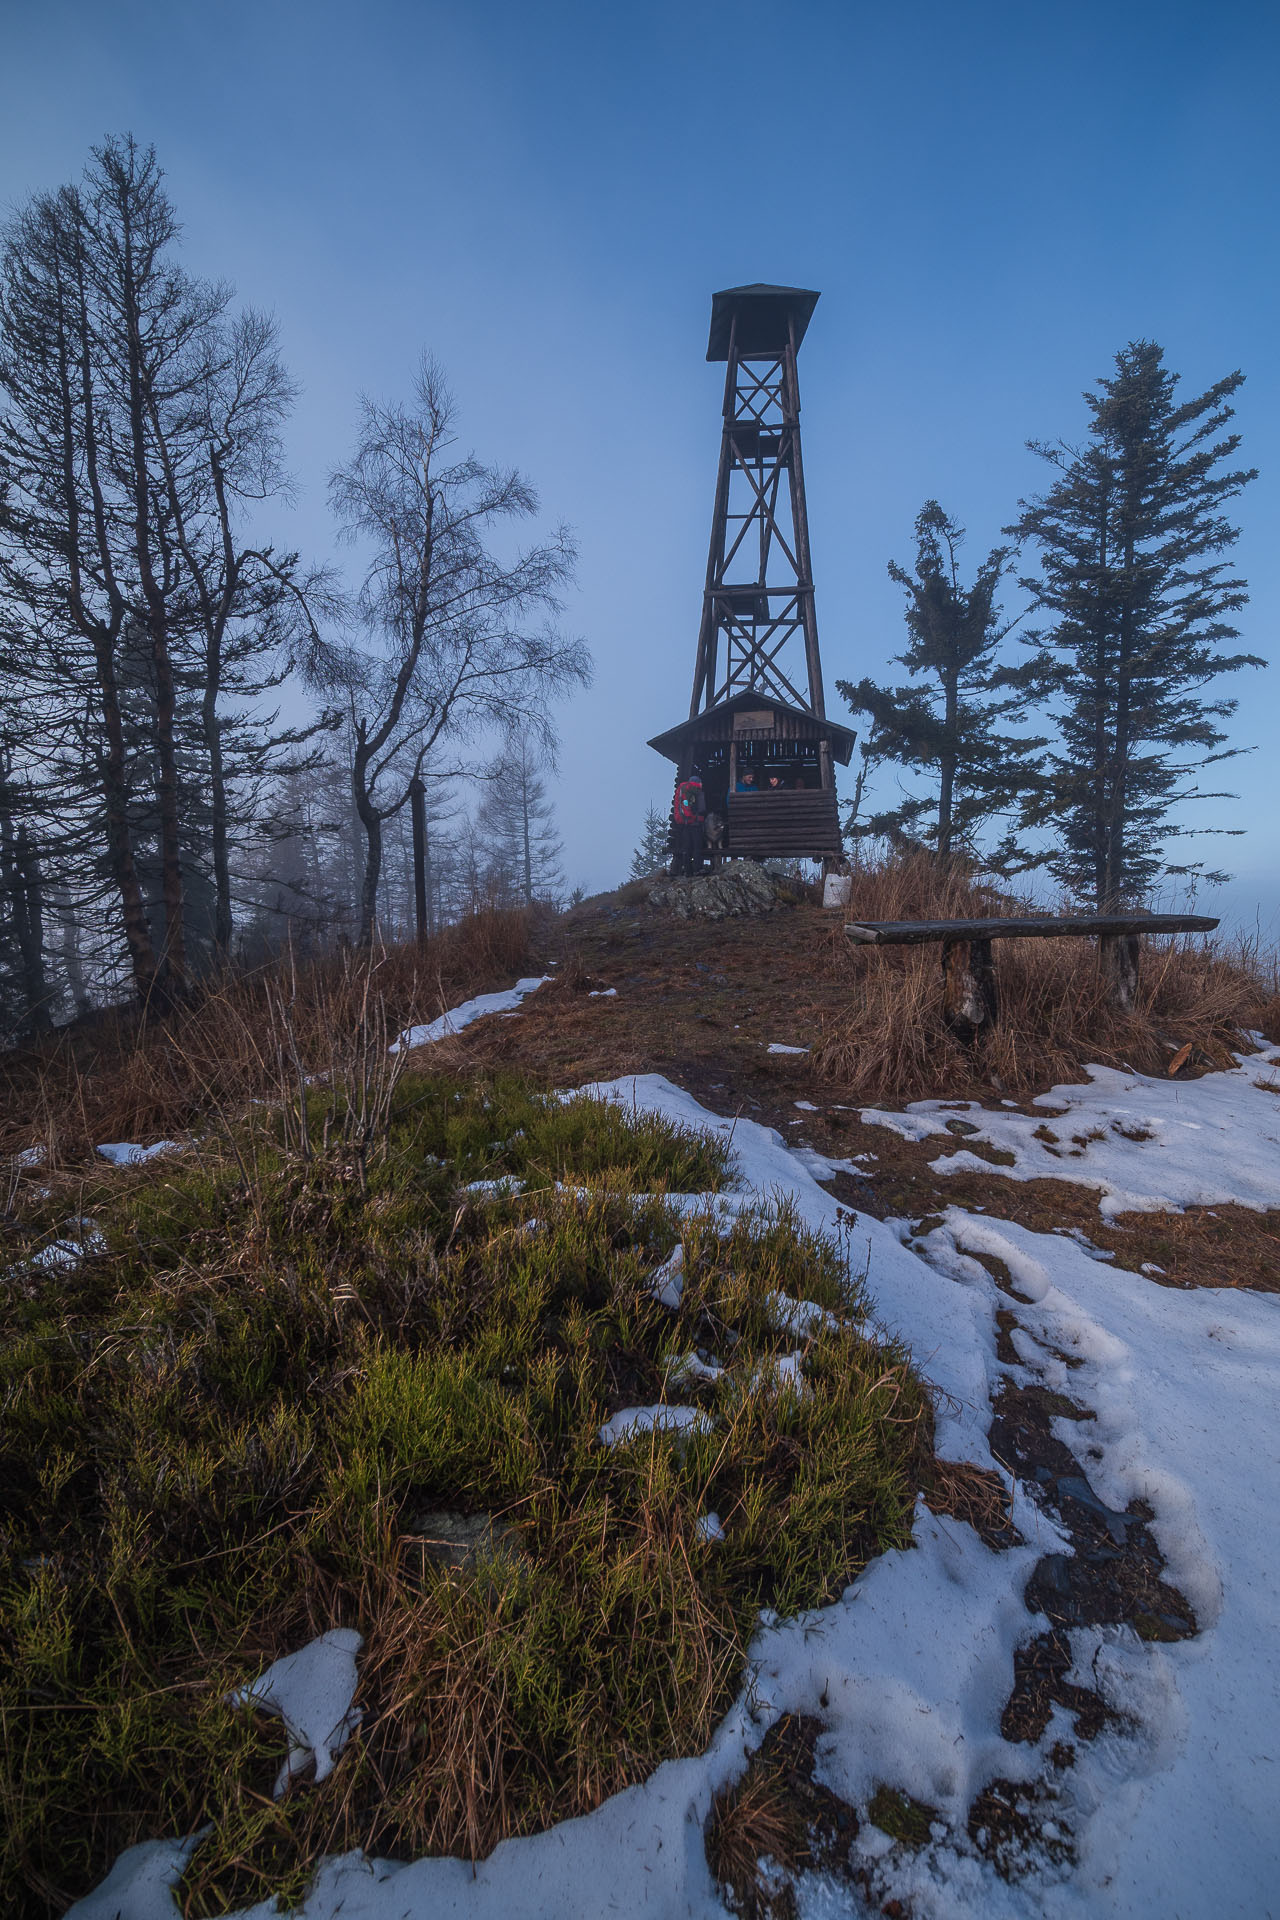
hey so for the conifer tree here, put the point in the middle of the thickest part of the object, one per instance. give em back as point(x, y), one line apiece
point(1127, 535)
point(946, 724)
point(653, 851)
point(516, 825)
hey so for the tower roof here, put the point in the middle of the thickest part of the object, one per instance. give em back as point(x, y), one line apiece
point(716, 723)
point(761, 312)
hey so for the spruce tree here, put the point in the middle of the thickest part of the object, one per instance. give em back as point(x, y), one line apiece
point(653, 851)
point(946, 725)
point(1127, 535)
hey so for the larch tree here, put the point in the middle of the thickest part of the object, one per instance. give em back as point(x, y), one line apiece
point(250, 611)
point(947, 725)
point(1129, 537)
point(516, 822)
point(137, 421)
point(454, 641)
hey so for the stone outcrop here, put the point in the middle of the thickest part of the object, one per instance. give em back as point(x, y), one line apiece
point(739, 888)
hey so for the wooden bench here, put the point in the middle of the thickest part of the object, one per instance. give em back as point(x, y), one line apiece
point(970, 1003)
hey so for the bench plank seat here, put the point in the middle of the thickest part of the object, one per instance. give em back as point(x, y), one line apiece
point(970, 1000)
point(897, 933)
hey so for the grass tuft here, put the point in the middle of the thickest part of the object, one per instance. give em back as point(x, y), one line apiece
point(126, 1074)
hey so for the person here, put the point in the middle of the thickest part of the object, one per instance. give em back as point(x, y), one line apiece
point(688, 813)
point(776, 783)
point(747, 781)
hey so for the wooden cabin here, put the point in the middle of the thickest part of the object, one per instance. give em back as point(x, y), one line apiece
point(743, 746)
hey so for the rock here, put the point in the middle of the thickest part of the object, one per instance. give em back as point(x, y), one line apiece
point(462, 1541)
point(740, 888)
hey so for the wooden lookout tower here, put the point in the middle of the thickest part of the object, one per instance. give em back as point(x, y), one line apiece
point(757, 728)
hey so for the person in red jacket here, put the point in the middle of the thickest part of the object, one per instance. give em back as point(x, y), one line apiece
point(688, 814)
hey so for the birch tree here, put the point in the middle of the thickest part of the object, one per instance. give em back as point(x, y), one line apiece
point(453, 641)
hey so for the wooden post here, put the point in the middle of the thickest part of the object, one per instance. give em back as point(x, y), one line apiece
point(418, 808)
point(970, 1004)
point(1119, 958)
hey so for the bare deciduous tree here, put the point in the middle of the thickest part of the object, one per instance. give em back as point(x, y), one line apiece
point(453, 640)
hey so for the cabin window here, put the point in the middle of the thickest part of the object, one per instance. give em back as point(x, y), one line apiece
point(788, 763)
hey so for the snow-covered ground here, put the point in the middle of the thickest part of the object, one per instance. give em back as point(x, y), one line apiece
point(1175, 1809)
point(1144, 1144)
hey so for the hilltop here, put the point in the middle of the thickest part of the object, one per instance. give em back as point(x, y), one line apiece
point(530, 1425)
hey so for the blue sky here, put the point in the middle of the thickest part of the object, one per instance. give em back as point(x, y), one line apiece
point(992, 198)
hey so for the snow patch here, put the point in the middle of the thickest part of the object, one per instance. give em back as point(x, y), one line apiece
point(666, 1283)
point(140, 1884)
point(459, 1017)
point(630, 1421)
point(1146, 1144)
point(122, 1153)
point(312, 1691)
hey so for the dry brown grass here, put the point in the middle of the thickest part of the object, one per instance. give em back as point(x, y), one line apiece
point(1055, 1015)
point(129, 1075)
point(780, 1814)
point(756, 1820)
point(975, 1495)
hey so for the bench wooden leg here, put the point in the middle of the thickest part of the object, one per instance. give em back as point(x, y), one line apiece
point(1119, 959)
point(970, 1003)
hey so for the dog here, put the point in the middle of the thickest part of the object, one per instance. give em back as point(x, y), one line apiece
point(715, 833)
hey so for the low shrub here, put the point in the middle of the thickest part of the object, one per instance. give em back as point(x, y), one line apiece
point(229, 1428)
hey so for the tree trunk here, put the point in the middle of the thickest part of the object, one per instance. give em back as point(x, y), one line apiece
point(222, 922)
point(1116, 835)
point(69, 953)
point(528, 849)
point(173, 963)
point(371, 822)
point(947, 767)
point(20, 875)
point(103, 636)
point(115, 797)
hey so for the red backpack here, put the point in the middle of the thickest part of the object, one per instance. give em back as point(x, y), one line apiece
point(689, 804)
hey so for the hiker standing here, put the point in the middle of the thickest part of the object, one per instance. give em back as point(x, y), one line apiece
point(688, 812)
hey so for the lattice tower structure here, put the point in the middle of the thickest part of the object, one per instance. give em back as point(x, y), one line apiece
point(759, 629)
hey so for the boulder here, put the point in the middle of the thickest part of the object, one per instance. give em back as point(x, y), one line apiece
point(739, 888)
